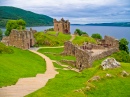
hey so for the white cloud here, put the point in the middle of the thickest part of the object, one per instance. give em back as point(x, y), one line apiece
point(77, 11)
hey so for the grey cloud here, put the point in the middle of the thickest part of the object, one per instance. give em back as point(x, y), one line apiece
point(82, 12)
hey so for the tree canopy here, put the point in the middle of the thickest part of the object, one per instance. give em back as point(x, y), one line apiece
point(96, 35)
point(123, 45)
point(80, 32)
point(1, 34)
point(14, 24)
point(31, 18)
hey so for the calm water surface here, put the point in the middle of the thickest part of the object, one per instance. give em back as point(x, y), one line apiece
point(117, 32)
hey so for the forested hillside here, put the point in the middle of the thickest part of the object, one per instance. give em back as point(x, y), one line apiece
point(32, 19)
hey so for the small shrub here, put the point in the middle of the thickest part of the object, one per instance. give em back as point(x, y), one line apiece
point(122, 56)
point(5, 49)
point(79, 32)
point(123, 45)
point(96, 36)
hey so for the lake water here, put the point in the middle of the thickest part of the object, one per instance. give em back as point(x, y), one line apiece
point(117, 32)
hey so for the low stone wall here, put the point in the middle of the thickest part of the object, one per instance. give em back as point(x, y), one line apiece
point(69, 48)
point(104, 54)
point(84, 58)
point(70, 62)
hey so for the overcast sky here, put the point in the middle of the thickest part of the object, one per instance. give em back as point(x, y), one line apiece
point(77, 11)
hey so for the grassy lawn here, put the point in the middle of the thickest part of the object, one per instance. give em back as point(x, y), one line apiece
point(66, 83)
point(20, 64)
point(56, 56)
point(81, 39)
point(51, 50)
point(50, 38)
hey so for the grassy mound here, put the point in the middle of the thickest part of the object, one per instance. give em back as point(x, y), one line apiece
point(5, 49)
point(81, 39)
point(51, 39)
point(54, 54)
point(20, 64)
point(72, 84)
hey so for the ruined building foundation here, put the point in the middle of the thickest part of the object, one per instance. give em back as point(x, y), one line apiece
point(23, 39)
point(85, 56)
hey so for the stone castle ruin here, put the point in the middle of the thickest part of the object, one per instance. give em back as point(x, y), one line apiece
point(23, 39)
point(62, 26)
point(87, 53)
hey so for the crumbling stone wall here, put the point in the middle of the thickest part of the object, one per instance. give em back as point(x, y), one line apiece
point(69, 48)
point(62, 26)
point(104, 54)
point(23, 39)
point(112, 41)
point(84, 57)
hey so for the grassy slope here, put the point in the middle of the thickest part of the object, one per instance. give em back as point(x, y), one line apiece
point(56, 56)
point(81, 39)
point(66, 82)
point(49, 38)
point(22, 63)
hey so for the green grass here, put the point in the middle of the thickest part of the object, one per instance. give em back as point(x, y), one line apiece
point(51, 50)
point(50, 38)
point(57, 66)
point(56, 56)
point(20, 64)
point(66, 83)
point(81, 39)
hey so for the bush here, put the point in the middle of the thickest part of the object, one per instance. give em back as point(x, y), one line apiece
point(5, 49)
point(50, 29)
point(96, 36)
point(121, 56)
point(14, 24)
point(79, 32)
point(123, 45)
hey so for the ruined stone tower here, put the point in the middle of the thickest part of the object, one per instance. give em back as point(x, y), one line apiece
point(62, 26)
point(23, 39)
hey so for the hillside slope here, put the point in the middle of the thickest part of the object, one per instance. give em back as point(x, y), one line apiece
point(32, 19)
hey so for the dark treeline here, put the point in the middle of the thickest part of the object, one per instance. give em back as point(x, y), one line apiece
point(32, 19)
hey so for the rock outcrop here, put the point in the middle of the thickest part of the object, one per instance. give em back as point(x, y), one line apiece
point(110, 63)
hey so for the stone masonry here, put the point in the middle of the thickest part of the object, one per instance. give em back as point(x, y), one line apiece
point(85, 56)
point(62, 26)
point(23, 39)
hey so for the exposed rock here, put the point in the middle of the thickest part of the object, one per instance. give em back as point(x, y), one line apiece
point(110, 63)
point(108, 75)
point(95, 78)
point(124, 73)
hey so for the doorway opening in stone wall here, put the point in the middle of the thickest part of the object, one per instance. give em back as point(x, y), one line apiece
point(66, 31)
point(31, 43)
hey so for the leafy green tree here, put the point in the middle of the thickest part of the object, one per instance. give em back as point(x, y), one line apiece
point(97, 36)
point(121, 56)
point(1, 34)
point(14, 24)
point(79, 32)
point(123, 45)
point(20, 23)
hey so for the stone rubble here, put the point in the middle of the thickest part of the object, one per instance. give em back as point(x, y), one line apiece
point(110, 63)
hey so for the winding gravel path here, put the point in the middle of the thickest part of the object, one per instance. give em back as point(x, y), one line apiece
point(25, 86)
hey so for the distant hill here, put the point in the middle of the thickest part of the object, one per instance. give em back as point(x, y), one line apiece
point(31, 18)
point(121, 24)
